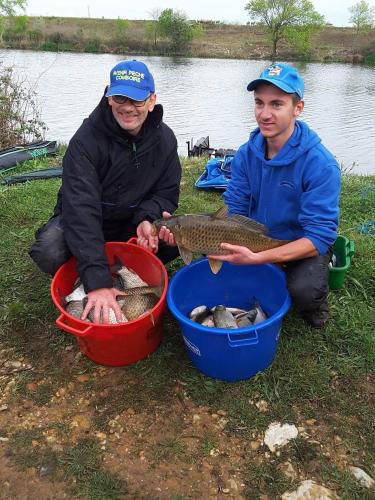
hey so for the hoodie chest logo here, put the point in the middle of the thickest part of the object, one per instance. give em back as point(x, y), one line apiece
point(287, 184)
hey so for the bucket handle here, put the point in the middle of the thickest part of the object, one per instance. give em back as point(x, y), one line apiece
point(247, 339)
point(350, 248)
point(133, 241)
point(78, 333)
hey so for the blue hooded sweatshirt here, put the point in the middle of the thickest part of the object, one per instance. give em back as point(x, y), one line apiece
point(295, 195)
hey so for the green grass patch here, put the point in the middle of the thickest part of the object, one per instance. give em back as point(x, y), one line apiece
point(324, 374)
point(82, 463)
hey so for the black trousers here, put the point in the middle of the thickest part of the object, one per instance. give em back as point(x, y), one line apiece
point(50, 249)
point(307, 281)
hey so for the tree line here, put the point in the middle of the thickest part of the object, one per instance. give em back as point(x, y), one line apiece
point(291, 21)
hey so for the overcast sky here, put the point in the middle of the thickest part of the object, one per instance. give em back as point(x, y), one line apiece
point(335, 11)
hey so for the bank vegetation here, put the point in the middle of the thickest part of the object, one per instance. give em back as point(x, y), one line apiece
point(210, 39)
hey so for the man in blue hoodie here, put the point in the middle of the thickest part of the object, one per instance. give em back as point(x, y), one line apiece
point(284, 178)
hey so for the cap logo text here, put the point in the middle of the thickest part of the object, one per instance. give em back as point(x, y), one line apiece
point(124, 74)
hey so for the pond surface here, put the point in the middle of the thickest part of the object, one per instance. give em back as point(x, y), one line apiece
point(208, 97)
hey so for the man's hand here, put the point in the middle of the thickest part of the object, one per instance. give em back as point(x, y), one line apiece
point(165, 234)
point(146, 238)
point(238, 255)
point(102, 300)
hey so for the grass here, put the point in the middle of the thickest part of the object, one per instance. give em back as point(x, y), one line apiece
point(82, 463)
point(327, 375)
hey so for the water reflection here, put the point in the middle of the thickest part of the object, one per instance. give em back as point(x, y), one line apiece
point(208, 97)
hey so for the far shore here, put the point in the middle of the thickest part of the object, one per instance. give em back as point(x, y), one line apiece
point(66, 34)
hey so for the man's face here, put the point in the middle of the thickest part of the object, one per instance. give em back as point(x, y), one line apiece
point(275, 112)
point(131, 117)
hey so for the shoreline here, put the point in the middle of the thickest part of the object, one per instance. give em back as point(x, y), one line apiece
point(218, 41)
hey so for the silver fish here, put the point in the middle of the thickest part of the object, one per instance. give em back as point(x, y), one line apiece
point(75, 308)
point(199, 314)
point(223, 318)
point(78, 293)
point(111, 314)
point(128, 277)
point(247, 318)
point(209, 321)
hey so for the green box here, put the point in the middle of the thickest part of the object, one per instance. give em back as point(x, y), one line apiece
point(344, 250)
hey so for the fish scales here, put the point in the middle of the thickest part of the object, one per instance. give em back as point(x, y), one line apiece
point(135, 305)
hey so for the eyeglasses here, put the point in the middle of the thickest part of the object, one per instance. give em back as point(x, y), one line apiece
point(121, 99)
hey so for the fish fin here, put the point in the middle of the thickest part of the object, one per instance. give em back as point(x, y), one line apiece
point(215, 265)
point(186, 254)
point(250, 223)
point(222, 213)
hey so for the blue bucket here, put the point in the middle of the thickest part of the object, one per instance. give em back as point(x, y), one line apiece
point(222, 353)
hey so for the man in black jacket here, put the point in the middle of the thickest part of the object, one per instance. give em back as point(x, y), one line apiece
point(121, 171)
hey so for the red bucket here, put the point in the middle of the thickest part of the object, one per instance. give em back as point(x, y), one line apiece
point(115, 345)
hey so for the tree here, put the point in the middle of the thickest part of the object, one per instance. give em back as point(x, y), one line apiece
point(8, 8)
point(291, 20)
point(175, 26)
point(152, 27)
point(362, 16)
point(121, 27)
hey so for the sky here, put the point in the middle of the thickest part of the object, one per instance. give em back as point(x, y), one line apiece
point(335, 11)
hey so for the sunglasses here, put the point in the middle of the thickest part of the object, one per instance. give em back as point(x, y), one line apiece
point(121, 99)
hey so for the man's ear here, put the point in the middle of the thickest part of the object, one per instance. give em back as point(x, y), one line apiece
point(299, 108)
point(152, 102)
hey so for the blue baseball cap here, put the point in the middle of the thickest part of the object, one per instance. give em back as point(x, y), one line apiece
point(131, 79)
point(283, 76)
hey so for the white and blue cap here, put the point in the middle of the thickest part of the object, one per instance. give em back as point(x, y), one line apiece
point(131, 79)
point(283, 76)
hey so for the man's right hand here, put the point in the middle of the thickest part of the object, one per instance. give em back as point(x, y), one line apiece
point(102, 300)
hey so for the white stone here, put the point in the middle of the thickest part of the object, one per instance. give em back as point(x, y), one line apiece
point(362, 477)
point(308, 490)
point(262, 405)
point(279, 435)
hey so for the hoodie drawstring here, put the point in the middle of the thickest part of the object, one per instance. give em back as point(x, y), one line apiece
point(137, 164)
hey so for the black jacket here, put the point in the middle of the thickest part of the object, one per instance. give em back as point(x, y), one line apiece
point(110, 176)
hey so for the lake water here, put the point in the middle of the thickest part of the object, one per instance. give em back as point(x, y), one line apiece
point(208, 97)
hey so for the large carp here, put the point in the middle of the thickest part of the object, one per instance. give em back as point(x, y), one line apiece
point(204, 234)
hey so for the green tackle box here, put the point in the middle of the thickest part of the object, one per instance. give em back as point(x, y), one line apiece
point(344, 250)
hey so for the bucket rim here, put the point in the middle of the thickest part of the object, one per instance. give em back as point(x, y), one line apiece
point(110, 326)
point(224, 331)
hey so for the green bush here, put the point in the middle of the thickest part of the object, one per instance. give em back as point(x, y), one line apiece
point(35, 35)
point(92, 46)
point(50, 46)
point(19, 114)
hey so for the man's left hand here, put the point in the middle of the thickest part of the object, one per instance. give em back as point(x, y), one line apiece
point(238, 255)
point(146, 237)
